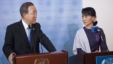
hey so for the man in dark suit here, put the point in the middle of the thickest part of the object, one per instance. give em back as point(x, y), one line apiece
point(23, 37)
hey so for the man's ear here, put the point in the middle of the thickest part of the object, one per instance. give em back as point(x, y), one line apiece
point(24, 14)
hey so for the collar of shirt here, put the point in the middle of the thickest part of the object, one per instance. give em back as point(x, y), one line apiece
point(24, 24)
point(25, 27)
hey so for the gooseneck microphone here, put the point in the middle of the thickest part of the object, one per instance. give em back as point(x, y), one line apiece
point(34, 29)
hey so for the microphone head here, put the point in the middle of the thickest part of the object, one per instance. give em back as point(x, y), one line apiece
point(32, 27)
point(98, 30)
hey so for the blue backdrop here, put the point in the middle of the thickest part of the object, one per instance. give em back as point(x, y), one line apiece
point(59, 19)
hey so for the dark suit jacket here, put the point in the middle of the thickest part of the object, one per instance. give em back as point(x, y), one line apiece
point(16, 40)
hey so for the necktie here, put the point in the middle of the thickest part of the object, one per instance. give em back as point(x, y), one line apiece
point(30, 30)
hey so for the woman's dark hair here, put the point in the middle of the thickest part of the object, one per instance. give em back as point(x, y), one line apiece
point(89, 11)
point(24, 8)
point(95, 23)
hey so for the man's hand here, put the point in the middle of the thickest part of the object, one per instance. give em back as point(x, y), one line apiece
point(11, 58)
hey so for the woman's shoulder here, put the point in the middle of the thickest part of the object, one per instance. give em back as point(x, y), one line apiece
point(80, 30)
point(99, 28)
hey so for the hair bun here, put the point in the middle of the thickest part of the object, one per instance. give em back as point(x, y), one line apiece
point(95, 23)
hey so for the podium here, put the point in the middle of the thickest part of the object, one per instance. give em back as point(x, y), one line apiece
point(44, 58)
point(90, 58)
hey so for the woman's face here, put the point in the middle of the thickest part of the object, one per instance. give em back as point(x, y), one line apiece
point(88, 20)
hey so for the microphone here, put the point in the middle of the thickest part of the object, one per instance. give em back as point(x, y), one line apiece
point(100, 34)
point(97, 30)
point(32, 27)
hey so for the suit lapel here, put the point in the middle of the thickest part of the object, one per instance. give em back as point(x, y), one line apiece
point(23, 33)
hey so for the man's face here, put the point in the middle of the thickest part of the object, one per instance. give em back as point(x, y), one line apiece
point(31, 16)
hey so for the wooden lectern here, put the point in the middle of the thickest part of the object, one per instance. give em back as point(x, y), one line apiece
point(90, 58)
point(44, 58)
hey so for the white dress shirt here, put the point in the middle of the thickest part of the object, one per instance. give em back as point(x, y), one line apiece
point(26, 27)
